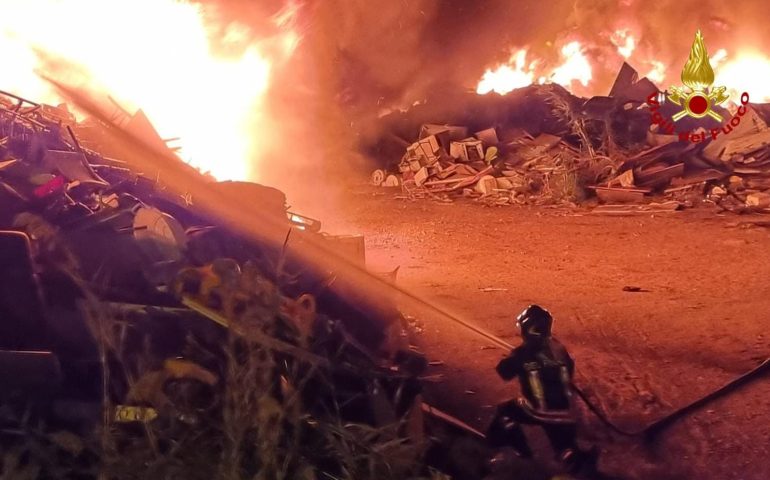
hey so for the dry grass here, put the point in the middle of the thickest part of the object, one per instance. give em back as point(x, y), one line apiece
point(274, 414)
point(593, 166)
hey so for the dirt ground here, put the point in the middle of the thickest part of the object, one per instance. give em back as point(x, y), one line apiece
point(700, 320)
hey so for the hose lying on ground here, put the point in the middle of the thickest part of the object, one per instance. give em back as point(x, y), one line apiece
point(653, 429)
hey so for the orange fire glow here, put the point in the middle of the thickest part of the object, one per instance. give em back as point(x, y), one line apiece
point(747, 71)
point(518, 72)
point(657, 72)
point(740, 70)
point(624, 41)
point(576, 67)
point(157, 55)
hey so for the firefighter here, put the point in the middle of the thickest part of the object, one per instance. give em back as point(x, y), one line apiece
point(544, 370)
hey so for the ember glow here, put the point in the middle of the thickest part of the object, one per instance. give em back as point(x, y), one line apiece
point(519, 72)
point(157, 55)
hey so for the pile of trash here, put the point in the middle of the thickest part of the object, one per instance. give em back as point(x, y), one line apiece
point(731, 171)
point(572, 149)
point(122, 294)
point(446, 161)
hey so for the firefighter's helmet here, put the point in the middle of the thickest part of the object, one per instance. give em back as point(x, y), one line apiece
point(534, 323)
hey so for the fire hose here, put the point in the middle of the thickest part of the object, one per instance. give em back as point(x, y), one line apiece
point(653, 429)
point(598, 413)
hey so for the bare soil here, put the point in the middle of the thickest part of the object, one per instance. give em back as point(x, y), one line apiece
point(700, 320)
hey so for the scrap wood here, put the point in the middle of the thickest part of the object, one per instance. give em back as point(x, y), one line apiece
point(625, 180)
point(665, 165)
point(746, 144)
point(684, 188)
point(658, 175)
point(699, 177)
point(655, 153)
point(747, 171)
point(750, 124)
point(445, 181)
point(615, 194)
point(470, 181)
point(447, 171)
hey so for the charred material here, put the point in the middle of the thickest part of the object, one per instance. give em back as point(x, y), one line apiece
point(540, 144)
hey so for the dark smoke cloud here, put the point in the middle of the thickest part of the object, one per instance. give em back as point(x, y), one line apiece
point(396, 52)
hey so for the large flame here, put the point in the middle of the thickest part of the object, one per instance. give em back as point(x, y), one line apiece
point(740, 69)
point(158, 55)
point(576, 67)
point(747, 72)
point(518, 72)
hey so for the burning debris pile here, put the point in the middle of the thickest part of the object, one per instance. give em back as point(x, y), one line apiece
point(541, 145)
point(449, 161)
point(121, 295)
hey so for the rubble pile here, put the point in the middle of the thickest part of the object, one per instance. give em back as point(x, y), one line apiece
point(119, 293)
point(731, 171)
point(528, 169)
point(606, 146)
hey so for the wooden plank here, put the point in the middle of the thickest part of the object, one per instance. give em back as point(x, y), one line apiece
point(471, 180)
point(658, 176)
point(751, 123)
point(444, 182)
point(699, 177)
point(746, 144)
point(623, 195)
point(651, 155)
